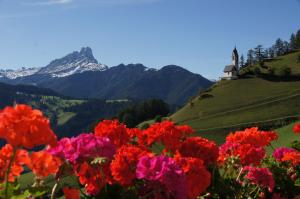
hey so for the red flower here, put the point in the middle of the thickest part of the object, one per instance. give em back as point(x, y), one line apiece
point(71, 193)
point(197, 177)
point(165, 132)
point(250, 155)
point(252, 136)
point(93, 177)
point(199, 147)
point(115, 131)
point(134, 132)
point(246, 153)
point(124, 164)
point(296, 129)
point(44, 164)
point(293, 157)
point(23, 126)
point(21, 158)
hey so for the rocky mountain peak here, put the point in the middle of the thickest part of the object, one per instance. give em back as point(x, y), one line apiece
point(85, 55)
point(75, 62)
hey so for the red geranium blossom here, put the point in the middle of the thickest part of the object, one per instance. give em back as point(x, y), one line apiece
point(296, 128)
point(134, 132)
point(115, 131)
point(167, 133)
point(199, 147)
point(21, 158)
point(252, 136)
point(44, 164)
point(92, 177)
point(197, 177)
point(293, 157)
point(246, 153)
point(23, 126)
point(71, 193)
point(124, 164)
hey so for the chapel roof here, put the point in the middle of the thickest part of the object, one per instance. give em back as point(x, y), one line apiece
point(229, 68)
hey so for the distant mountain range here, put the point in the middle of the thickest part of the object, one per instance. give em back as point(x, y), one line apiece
point(79, 75)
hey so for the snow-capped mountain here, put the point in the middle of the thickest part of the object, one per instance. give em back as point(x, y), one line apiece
point(79, 75)
point(76, 62)
point(13, 74)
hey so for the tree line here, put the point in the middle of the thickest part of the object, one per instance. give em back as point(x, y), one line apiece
point(259, 54)
point(145, 110)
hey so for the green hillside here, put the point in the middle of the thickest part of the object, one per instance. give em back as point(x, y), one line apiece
point(245, 102)
point(286, 136)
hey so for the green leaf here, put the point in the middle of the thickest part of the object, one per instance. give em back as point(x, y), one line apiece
point(99, 160)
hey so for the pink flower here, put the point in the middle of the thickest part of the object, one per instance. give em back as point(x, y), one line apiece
point(261, 177)
point(279, 152)
point(83, 147)
point(63, 147)
point(162, 170)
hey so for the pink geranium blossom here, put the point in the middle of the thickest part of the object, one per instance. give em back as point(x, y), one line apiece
point(162, 170)
point(260, 176)
point(83, 147)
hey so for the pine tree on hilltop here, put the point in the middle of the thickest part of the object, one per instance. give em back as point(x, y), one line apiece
point(297, 41)
point(279, 47)
point(258, 53)
point(293, 42)
point(250, 57)
point(242, 61)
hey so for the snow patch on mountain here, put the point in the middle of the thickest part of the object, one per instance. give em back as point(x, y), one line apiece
point(73, 68)
point(23, 72)
point(76, 62)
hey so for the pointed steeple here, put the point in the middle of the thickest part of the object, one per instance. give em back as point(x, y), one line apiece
point(235, 58)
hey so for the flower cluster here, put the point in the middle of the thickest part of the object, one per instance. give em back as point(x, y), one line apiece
point(296, 129)
point(21, 126)
point(116, 132)
point(201, 148)
point(21, 158)
point(44, 164)
point(293, 157)
point(165, 174)
point(115, 154)
point(260, 176)
point(90, 157)
point(280, 152)
point(124, 164)
point(247, 145)
point(122, 161)
point(197, 176)
point(166, 133)
point(83, 147)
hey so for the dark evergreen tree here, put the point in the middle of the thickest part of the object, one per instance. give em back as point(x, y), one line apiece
point(297, 41)
point(250, 57)
point(271, 52)
point(259, 53)
point(266, 53)
point(242, 61)
point(279, 47)
point(286, 47)
point(293, 42)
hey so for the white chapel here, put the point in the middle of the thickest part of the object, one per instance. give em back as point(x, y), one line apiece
point(231, 71)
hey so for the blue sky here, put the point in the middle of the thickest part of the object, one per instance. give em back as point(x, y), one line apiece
point(196, 34)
